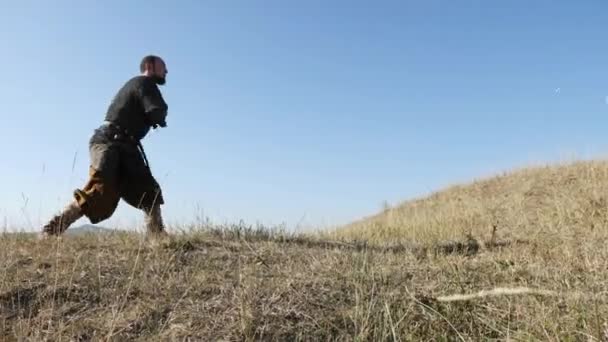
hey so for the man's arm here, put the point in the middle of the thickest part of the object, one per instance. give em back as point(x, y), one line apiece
point(154, 105)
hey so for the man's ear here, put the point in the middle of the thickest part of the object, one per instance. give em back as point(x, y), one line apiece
point(149, 68)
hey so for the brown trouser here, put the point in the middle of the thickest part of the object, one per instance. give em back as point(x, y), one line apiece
point(118, 171)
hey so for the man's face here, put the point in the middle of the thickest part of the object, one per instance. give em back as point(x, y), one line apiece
point(159, 72)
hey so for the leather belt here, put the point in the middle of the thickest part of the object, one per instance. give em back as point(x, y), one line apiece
point(124, 133)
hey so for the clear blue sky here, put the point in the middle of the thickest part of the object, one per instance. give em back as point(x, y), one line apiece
point(310, 111)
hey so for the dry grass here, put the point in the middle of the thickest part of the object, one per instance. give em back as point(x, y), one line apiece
point(527, 261)
point(550, 204)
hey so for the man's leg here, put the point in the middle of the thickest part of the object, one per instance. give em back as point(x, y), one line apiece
point(60, 222)
point(154, 220)
point(99, 197)
point(141, 190)
point(150, 203)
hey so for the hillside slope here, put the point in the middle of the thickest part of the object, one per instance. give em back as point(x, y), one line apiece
point(554, 201)
point(540, 274)
point(239, 285)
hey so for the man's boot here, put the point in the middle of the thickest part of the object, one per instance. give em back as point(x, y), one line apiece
point(60, 222)
point(154, 222)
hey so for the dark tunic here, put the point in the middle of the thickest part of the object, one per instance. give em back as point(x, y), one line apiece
point(137, 106)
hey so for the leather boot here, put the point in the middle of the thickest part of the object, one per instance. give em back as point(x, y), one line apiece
point(154, 221)
point(60, 222)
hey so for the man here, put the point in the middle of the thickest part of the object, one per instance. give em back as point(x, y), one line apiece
point(119, 167)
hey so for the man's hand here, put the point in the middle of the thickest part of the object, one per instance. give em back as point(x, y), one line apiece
point(162, 124)
point(156, 117)
point(154, 105)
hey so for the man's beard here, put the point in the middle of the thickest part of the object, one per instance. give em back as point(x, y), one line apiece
point(159, 80)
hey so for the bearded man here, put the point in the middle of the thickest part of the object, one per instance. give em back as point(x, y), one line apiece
point(118, 167)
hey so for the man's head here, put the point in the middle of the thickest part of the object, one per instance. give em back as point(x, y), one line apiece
point(153, 66)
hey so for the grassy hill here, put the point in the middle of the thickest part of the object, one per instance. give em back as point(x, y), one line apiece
point(547, 204)
point(520, 256)
point(88, 229)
